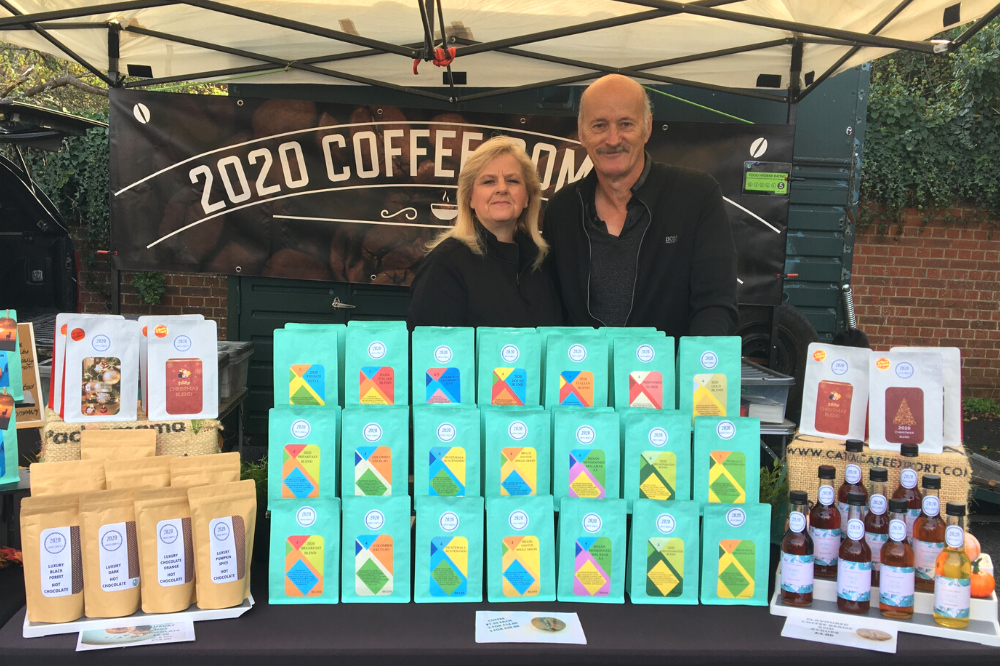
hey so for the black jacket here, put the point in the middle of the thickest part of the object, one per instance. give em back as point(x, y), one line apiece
point(686, 278)
point(456, 287)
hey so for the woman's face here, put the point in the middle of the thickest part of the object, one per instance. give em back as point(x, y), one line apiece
point(499, 194)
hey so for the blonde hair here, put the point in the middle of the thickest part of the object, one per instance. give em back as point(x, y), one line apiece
point(465, 223)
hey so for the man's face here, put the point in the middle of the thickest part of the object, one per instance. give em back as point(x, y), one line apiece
point(614, 131)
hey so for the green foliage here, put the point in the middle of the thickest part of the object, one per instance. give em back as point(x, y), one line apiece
point(774, 491)
point(933, 138)
point(980, 407)
point(150, 285)
point(257, 470)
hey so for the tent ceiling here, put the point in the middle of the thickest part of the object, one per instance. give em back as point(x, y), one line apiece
point(751, 46)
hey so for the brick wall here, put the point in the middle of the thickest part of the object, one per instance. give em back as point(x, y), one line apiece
point(934, 285)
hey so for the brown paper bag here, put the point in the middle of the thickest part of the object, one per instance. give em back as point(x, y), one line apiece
point(223, 518)
point(67, 476)
point(166, 549)
point(138, 474)
point(117, 444)
point(213, 469)
point(110, 553)
point(53, 565)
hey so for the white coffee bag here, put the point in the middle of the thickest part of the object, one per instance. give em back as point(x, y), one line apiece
point(143, 354)
point(57, 383)
point(906, 401)
point(951, 369)
point(835, 391)
point(183, 369)
point(102, 369)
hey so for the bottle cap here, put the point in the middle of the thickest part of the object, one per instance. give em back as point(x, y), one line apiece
point(798, 497)
point(856, 499)
point(954, 509)
point(878, 474)
point(909, 450)
point(827, 472)
point(897, 506)
point(854, 445)
point(931, 481)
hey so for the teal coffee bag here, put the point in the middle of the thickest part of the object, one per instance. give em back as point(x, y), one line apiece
point(375, 549)
point(11, 381)
point(377, 365)
point(446, 451)
point(657, 462)
point(444, 365)
point(592, 549)
point(306, 367)
point(576, 370)
point(518, 452)
point(663, 562)
point(302, 452)
point(726, 460)
point(341, 331)
point(305, 551)
point(644, 372)
point(708, 376)
point(545, 331)
point(612, 333)
point(448, 551)
point(375, 451)
point(586, 454)
point(520, 549)
point(735, 550)
point(509, 367)
point(8, 439)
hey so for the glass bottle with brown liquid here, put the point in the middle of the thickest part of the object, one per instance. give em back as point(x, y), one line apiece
point(853, 483)
point(877, 520)
point(953, 582)
point(928, 533)
point(797, 555)
point(824, 525)
point(907, 488)
point(895, 598)
point(854, 565)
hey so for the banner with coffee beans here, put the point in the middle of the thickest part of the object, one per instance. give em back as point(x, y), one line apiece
point(347, 193)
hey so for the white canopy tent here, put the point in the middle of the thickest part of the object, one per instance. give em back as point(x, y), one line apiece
point(774, 49)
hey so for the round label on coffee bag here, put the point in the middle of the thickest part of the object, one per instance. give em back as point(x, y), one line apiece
point(736, 517)
point(518, 520)
point(658, 437)
point(665, 523)
point(517, 430)
point(305, 516)
point(839, 367)
point(446, 432)
point(101, 342)
point(376, 350)
point(301, 429)
point(585, 434)
point(510, 353)
point(448, 521)
point(182, 343)
point(709, 360)
point(645, 353)
point(372, 432)
point(577, 353)
point(725, 430)
point(442, 354)
point(904, 370)
point(374, 519)
point(592, 522)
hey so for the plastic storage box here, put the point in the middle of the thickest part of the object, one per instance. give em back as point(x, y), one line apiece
point(756, 380)
point(233, 377)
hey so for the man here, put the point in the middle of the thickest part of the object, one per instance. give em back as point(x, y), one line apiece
point(636, 242)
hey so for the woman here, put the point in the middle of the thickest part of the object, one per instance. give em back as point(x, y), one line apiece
point(488, 269)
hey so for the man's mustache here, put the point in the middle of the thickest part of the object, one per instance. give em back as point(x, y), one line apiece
point(614, 150)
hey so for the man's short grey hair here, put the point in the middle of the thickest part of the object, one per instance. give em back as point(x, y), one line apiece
point(647, 110)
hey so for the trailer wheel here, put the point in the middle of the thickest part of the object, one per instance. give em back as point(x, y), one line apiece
point(795, 332)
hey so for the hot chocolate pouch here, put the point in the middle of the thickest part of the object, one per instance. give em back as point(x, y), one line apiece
point(835, 392)
point(123, 444)
point(138, 474)
point(375, 550)
point(518, 452)
point(57, 385)
point(906, 401)
point(341, 330)
point(375, 451)
point(520, 549)
point(708, 376)
point(110, 547)
point(8, 438)
point(377, 365)
point(306, 441)
point(102, 370)
point(305, 551)
point(448, 550)
point(644, 372)
point(66, 476)
point(444, 365)
point(215, 468)
point(735, 548)
point(951, 375)
point(657, 460)
point(306, 370)
point(665, 545)
point(726, 460)
point(223, 519)
point(592, 548)
point(446, 451)
point(509, 367)
point(52, 556)
point(10, 359)
point(586, 454)
point(166, 549)
point(576, 370)
point(144, 334)
point(183, 370)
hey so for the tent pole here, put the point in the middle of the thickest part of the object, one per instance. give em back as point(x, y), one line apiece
point(794, 85)
point(974, 28)
point(91, 10)
point(114, 53)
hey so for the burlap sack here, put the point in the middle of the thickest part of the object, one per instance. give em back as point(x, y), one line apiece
point(807, 452)
point(173, 438)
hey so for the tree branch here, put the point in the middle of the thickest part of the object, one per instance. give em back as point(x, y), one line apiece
point(21, 78)
point(65, 80)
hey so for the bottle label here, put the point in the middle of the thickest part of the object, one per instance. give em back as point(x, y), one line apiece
point(908, 478)
point(797, 573)
point(954, 536)
point(855, 529)
point(852, 474)
point(877, 504)
point(796, 521)
point(875, 542)
point(896, 586)
point(826, 546)
point(854, 580)
point(826, 495)
point(911, 517)
point(952, 597)
point(931, 505)
point(897, 529)
point(925, 557)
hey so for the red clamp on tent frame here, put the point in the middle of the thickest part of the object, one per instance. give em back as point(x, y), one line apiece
point(442, 58)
